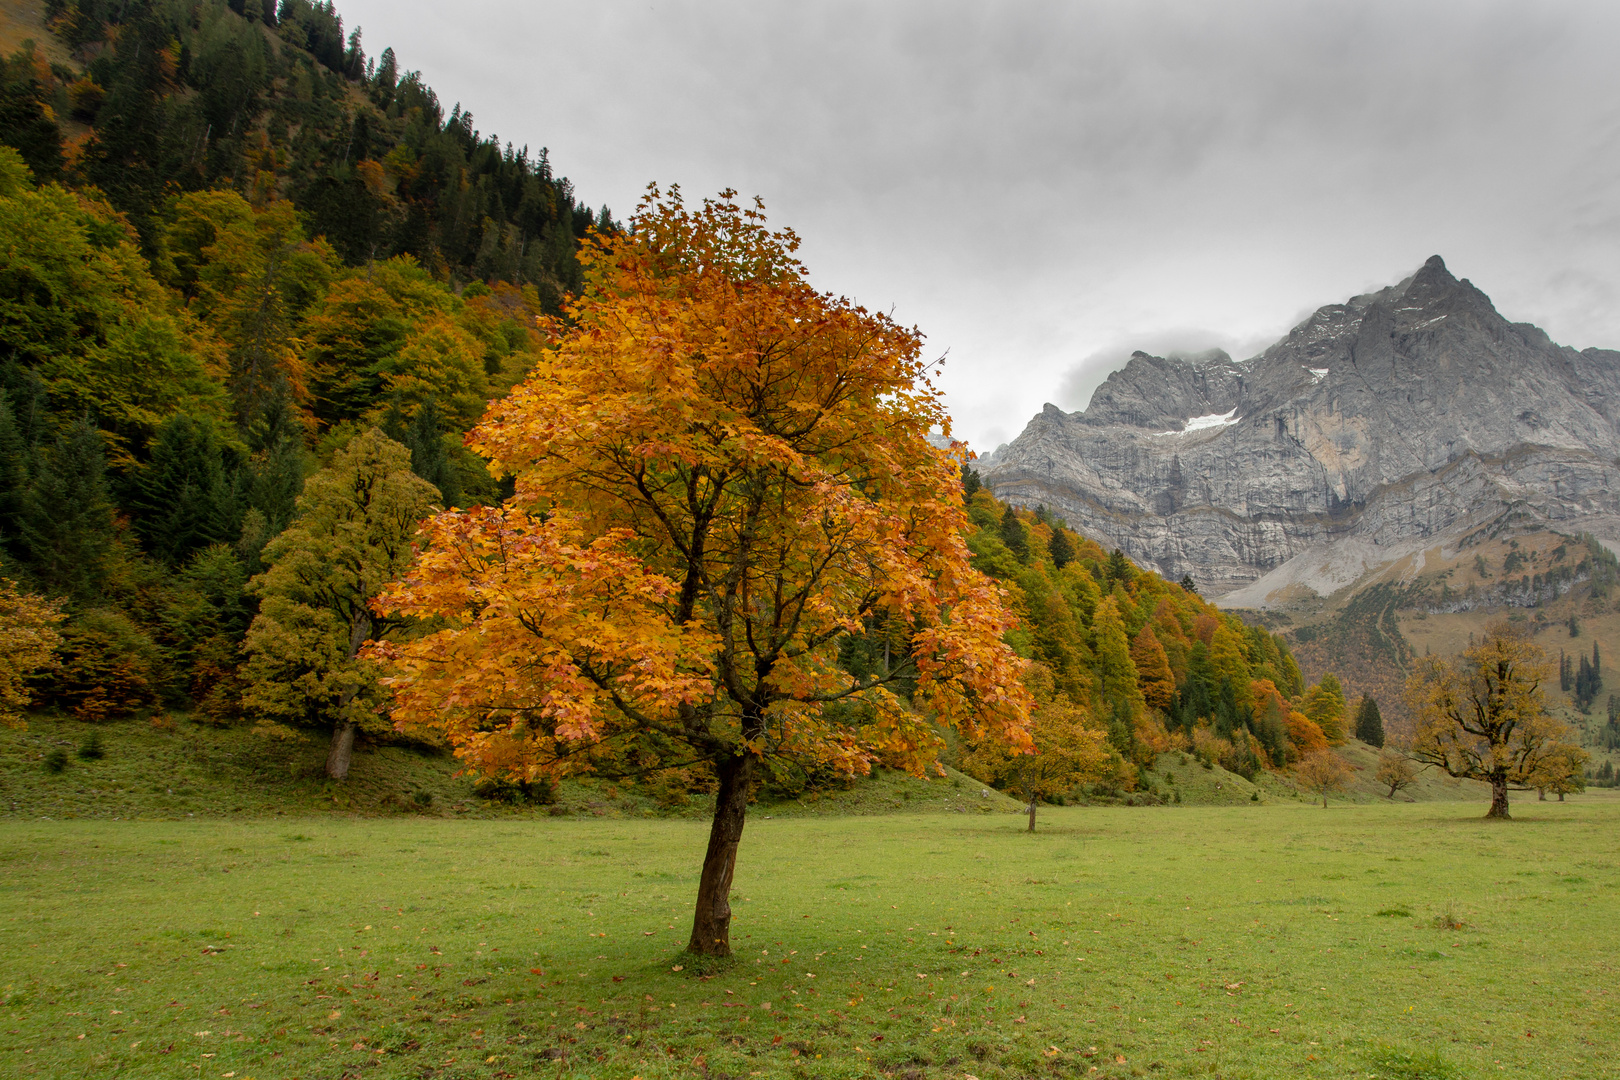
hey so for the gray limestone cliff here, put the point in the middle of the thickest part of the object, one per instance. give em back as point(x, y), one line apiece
point(1409, 415)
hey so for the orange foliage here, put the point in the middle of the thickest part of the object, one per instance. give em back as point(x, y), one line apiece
point(1304, 733)
point(1204, 627)
point(720, 474)
point(1152, 669)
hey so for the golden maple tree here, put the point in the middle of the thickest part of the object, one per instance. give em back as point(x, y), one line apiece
point(722, 476)
point(1482, 715)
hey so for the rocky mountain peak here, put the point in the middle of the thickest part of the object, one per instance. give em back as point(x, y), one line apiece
point(1402, 414)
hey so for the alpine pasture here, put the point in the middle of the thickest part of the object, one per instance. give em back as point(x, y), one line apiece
point(1399, 940)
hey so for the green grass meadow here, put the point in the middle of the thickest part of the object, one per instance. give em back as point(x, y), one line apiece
point(1247, 941)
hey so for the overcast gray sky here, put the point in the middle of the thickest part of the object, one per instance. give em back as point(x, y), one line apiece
point(1043, 187)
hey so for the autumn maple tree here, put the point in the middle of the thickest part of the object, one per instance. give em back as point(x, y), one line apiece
point(722, 478)
point(1482, 715)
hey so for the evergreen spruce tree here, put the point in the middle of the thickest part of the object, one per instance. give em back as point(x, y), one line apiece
point(1061, 548)
point(67, 527)
point(430, 459)
point(970, 483)
point(15, 457)
point(1369, 722)
point(184, 498)
point(1014, 535)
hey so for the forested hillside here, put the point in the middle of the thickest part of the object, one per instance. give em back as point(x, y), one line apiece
point(1129, 666)
point(230, 242)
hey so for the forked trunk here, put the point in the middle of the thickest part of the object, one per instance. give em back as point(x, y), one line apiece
point(711, 922)
point(342, 752)
point(1499, 802)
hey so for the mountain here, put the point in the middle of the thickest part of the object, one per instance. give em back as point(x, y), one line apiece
point(1398, 420)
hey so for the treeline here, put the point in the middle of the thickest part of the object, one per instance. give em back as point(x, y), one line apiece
point(277, 102)
point(1130, 665)
point(1582, 681)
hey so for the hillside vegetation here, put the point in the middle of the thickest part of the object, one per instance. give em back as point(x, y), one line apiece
point(1561, 589)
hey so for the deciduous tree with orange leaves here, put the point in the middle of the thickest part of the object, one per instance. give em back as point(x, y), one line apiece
point(722, 476)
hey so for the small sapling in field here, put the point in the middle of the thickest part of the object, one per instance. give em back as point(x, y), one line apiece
point(92, 750)
point(56, 760)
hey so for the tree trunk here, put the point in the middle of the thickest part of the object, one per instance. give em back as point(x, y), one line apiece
point(1560, 796)
point(1541, 794)
point(711, 922)
point(1032, 814)
point(342, 752)
point(1499, 800)
point(1324, 800)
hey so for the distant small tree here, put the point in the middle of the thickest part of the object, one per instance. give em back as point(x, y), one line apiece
point(1396, 770)
point(1069, 749)
point(1188, 584)
point(1369, 722)
point(1482, 716)
point(1562, 773)
point(1322, 772)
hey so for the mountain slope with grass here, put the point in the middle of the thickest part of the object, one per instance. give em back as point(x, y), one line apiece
point(171, 767)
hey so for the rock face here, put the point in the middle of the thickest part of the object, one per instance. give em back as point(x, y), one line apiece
point(1407, 416)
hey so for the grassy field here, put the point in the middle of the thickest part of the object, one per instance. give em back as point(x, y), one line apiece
point(1409, 940)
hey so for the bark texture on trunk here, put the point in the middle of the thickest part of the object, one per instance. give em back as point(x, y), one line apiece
point(1499, 799)
point(1032, 815)
point(342, 752)
point(711, 922)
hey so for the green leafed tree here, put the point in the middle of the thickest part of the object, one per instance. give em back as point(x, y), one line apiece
point(1324, 704)
point(353, 533)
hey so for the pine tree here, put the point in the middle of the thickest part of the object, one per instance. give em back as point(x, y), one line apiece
point(1014, 535)
point(184, 499)
point(1060, 548)
point(67, 515)
point(1369, 723)
point(970, 483)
